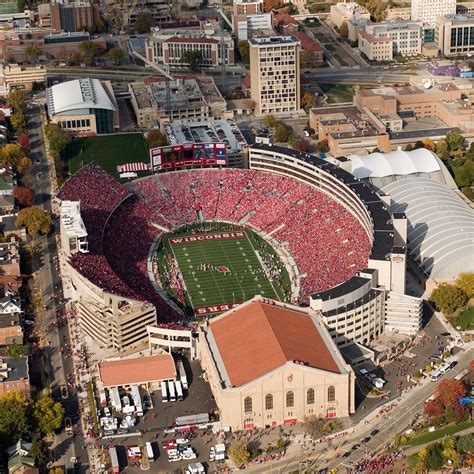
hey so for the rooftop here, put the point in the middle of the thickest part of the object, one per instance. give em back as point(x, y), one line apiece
point(373, 39)
point(137, 370)
point(186, 92)
point(71, 219)
point(456, 19)
point(307, 43)
point(205, 131)
point(273, 41)
point(277, 332)
point(79, 94)
point(13, 369)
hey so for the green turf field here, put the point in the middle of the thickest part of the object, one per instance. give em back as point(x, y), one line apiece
point(107, 151)
point(233, 274)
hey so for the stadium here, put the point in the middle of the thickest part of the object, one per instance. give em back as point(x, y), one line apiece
point(311, 232)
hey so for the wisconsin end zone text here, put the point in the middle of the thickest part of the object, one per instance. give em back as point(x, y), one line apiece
point(201, 238)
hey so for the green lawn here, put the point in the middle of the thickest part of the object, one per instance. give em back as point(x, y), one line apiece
point(234, 272)
point(465, 320)
point(439, 433)
point(338, 93)
point(107, 150)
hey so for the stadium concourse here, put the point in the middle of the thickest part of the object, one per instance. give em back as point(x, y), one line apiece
point(327, 243)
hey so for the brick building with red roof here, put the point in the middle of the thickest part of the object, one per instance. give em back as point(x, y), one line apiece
point(270, 363)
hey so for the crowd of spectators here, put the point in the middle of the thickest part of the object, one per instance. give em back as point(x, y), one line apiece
point(328, 244)
point(377, 464)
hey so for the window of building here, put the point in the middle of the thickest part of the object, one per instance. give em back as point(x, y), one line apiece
point(248, 404)
point(269, 402)
point(331, 393)
point(310, 396)
point(290, 399)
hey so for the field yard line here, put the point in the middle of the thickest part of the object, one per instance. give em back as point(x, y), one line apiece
point(182, 275)
point(237, 277)
point(212, 273)
point(263, 267)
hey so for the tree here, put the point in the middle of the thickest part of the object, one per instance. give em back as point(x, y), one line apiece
point(244, 51)
point(409, 147)
point(270, 121)
point(155, 138)
point(434, 457)
point(23, 165)
point(282, 132)
point(465, 281)
point(428, 144)
point(449, 391)
point(455, 413)
point(464, 174)
point(32, 53)
point(18, 122)
point(344, 30)
point(57, 137)
point(193, 59)
point(448, 298)
point(24, 196)
point(454, 140)
point(308, 100)
point(301, 144)
point(24, 141)
point(17, 99)
point(442, 149)
point(239, 453)
point(313, 426)
point(433, 408)
point(89, 51)
point(35, 219)
point(465, 444)
point(144, 23)
point(13, 417)
point(16, 350)
point(48, 414)
point(10, 155)
point(37, 451)
point(116, 55)
point(418, 144)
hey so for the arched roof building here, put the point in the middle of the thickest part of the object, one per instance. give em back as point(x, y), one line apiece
point(440, 226)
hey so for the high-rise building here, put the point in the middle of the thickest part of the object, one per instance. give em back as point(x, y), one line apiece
point(427, 11)
point(275, 74)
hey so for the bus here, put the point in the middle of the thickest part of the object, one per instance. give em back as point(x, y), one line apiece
point(149, 451)
point(164, 392)
point(179, 390)
point(172, 391)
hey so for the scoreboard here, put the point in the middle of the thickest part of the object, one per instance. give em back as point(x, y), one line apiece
point(181, 156)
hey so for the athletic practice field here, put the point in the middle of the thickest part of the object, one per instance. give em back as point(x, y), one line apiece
point(219, 268)
point(108, 151)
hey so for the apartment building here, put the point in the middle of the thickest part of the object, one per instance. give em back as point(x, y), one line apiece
point(428, 11)
point(275, 74)
point(14, 375)
point(374, 48)
point(168, 44)
point(241, 9)
point(455, 35)
point(406, 37)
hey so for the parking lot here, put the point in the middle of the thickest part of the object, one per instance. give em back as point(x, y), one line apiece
point(155, 421)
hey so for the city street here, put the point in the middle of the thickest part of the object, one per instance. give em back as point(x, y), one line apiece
point(54, 335)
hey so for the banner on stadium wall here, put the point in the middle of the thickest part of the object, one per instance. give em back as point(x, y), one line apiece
point(133, 167)
point(191, 154)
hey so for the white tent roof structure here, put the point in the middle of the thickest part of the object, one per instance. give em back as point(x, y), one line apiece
point(383, 168)
point(440, 226)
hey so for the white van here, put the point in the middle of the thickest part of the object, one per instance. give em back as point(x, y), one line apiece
point(149, 451)
point(436, 375)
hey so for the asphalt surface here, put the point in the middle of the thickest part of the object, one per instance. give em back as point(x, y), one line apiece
point(56, 337)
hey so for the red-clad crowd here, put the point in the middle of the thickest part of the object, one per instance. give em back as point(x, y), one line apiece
point(327, 242)
point(377, 464)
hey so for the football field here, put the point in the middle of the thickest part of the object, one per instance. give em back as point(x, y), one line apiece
point(219, 270)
